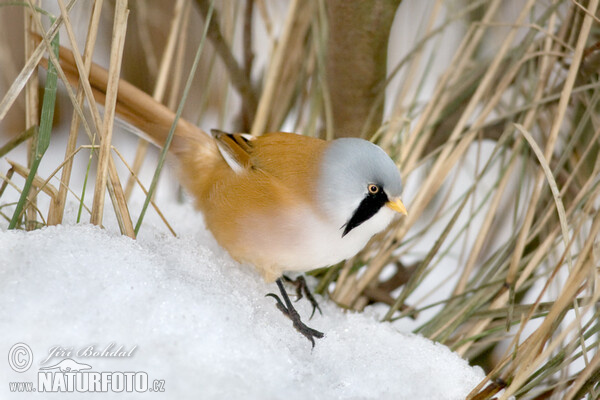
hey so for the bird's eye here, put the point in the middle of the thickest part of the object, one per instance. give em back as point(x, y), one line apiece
point(373, 189)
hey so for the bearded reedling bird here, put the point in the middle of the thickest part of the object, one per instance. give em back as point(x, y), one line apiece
point(281, 201)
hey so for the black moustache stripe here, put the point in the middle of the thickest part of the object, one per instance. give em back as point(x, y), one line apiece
point(368, 207)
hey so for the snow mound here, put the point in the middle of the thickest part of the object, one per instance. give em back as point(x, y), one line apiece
point(197, 321)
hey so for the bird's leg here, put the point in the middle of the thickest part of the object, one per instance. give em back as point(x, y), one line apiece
point(301, 286)
point(288, 309)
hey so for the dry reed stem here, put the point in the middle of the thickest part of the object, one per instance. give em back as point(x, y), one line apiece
point(114, 186)
point(502, 298)
point(156, 208)
point(17, 140)
point(414, 69)
point(485, 228)
point(32, 62)
point(556, 124)
point(532, 353)
point(583, 376)
point(45, 41)
point(40, 185)
point(119, 30)
point(267, 99)
point(436, 177)
point(237, 75)
point(540, 253)
point(424, 264)
point(538, 256)
point(55, 212)
point(236, 81)
point(164, 73)
point(293, 70)
point(31, 103)
point(416, 143)
point(560, 208)
point(7, 181)
point(264, 13)
point(67, 158)
point(316, 65)
point(177, 76)
point(82, 89)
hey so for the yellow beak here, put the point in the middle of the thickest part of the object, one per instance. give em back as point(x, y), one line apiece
point(397, 205)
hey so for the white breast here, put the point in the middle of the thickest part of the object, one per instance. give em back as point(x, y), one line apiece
point(303, 241)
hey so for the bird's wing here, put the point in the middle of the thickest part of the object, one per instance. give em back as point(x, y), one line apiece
point(287, 158)
point(236, 149)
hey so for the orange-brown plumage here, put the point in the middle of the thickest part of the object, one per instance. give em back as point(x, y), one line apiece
point(230, 200)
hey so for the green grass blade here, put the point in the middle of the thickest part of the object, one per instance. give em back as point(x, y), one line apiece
point(47, 115)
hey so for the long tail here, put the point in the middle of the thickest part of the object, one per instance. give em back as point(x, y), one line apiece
point(141, 110)
point(196, 151)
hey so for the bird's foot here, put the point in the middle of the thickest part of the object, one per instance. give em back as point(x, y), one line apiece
point(302, 287)
point(288, 309)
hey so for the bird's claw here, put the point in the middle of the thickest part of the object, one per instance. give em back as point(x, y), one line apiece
point(286, 307)
point(279, 304)
point(302, 287)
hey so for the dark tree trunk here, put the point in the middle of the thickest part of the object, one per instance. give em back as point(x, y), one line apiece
point(356, 62)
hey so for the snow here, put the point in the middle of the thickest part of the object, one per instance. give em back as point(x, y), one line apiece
point(197, 320)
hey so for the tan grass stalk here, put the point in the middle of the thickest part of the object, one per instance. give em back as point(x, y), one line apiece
point(114, 186)
point(7, 181)
point(411, 76)
point(237, 75)
point(583, 376)
point(164, 73)
point(486, 226)
point(531, 346)
point(463, 54)
point(532, 353)
point(558, 120)
point(85, 70)
point(264, 13)
point(539, 254)
point(156, 208)
point(32, 62)
point(544, 73)
point(68, 158)
point(177, 78)
point(560, 208)
point(450, 154)
point(528, 120)
point(267, 100)
point(40, 185)
point(119, 30)
point(294, 64)
point(17, 140)
point(31, 103)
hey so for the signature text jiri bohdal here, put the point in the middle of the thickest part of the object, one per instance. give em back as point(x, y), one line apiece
point(91, 351)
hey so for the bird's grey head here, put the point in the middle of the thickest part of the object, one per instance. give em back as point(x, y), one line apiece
point(357, 181)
